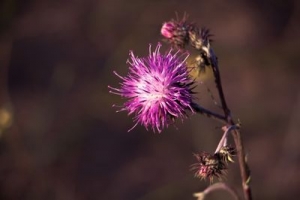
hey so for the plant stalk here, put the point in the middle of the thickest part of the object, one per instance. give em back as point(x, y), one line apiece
point(244, 169)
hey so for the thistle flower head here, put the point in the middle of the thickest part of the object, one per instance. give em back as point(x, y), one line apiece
point(209, 166)
point(180, 33)
point(177, 31)
point(158, 88)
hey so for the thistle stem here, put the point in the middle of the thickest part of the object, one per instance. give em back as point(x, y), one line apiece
point(244, 169)
point(197, 108)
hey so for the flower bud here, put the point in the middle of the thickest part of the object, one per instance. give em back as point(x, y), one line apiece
point(167, 29)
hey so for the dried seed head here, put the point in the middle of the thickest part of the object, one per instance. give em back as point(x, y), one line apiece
point(209, 166)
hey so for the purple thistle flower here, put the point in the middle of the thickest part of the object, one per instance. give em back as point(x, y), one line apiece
point(158, 88)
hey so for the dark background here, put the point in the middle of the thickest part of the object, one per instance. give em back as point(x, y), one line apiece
point(61, 139)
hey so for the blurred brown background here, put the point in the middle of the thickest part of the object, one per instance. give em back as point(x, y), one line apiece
point(61, 139)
